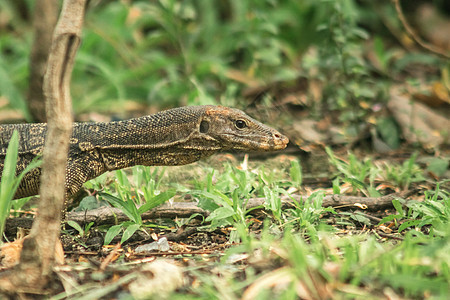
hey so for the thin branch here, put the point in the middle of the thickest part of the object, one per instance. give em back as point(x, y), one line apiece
point(59, 114)
point(111, 215)
point(412, 34)
point(33, 272)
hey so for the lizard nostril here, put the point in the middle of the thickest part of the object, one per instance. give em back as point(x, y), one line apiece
point(280, 140)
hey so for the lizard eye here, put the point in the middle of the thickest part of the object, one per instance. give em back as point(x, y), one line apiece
point(240, 124)
point(204, 126)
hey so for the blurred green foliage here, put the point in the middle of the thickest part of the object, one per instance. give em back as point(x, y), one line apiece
point(171, 52)
point(189, 52)
point(168, 53)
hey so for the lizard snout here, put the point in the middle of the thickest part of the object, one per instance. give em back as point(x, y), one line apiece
point(280, 141)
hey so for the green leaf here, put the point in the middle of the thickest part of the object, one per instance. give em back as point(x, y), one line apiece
point(407, 224)
point(76, 226)
point(88, 226)
point(355, 183)
point(373, 192)
point(296, 173)
point(438, 166)
point(9, 168)
point(127, 207)
point(360, 218)
point(88, 203)
point(388, 219)
point(157, 200)
point(207, 203)
point(379, 49)
point(8, 179)
point(389, 132)
point(221, 213)
point(129, 232)
point(218, 197)
point(9, 89)
point(431, 209)
point(398, 207)
point(112, 232)
point(336, 188)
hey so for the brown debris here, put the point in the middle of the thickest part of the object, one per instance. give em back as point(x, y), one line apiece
point(418, 122)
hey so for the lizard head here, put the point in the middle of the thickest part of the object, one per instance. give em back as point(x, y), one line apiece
point(235, 130)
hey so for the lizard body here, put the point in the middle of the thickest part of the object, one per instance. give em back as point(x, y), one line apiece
point(173, 137)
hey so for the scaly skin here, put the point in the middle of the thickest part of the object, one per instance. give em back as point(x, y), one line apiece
point(177, 136)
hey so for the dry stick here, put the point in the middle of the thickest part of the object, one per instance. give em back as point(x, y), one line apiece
point(414, 36)
point(59, 114)
point(38, 254)
point(110, 215)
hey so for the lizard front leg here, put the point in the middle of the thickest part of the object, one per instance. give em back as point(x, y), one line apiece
point(81, 168)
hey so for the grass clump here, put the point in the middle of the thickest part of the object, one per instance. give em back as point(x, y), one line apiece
point(288, 267)
point(363, 174)
point(10, 182)
point(431, 216)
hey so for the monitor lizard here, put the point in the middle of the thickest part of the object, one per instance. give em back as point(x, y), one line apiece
point(172, 137)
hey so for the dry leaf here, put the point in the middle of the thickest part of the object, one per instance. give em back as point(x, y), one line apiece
point(157, 279)
point(385, 229)
point(418, 122)
point(112, 256)
point(10, 253)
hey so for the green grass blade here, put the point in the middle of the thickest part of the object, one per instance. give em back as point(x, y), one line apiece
point(124, 206)
point(8, 179)
point(112, 232)
point(156, 201)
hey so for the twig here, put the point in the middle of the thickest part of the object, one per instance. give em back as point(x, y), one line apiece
point(111, 215)
point(411, 33)
point(389, 236)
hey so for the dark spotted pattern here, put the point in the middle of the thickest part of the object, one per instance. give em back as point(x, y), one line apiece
point(172, 137)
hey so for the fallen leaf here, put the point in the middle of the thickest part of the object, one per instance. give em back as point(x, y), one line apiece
point(157, 279)
point(10, 253)
point(418, 122)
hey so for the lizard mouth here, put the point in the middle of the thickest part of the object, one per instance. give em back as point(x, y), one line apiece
point(262, 143)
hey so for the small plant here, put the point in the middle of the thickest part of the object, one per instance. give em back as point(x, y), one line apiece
point(306, 215)
point(295, 173)
point(405, 174)
point(130, 203)
point(133, 212)
point(431, 216)
point(226, 194)
point(81, 231)
point(361, 174)
point(342, 66)
point(10, 182)
point(226, 199)
point(224, 210)
point(355, 172)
